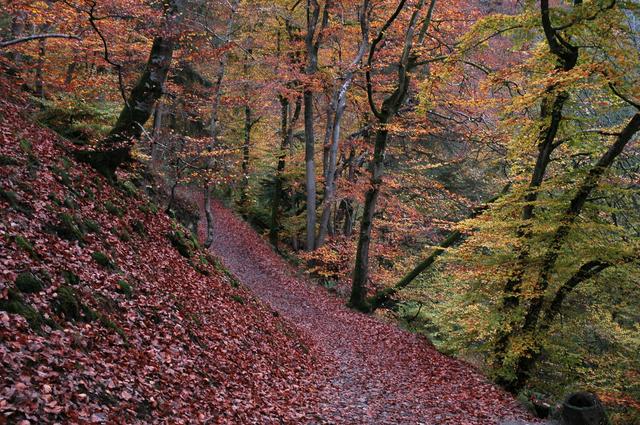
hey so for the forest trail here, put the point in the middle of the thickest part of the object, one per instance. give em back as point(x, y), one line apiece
point(374, 372)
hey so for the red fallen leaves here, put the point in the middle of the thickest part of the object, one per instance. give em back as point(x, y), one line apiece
point(372, 372)
point(181, 349)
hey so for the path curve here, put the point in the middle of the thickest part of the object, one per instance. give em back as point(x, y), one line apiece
point(375, 372)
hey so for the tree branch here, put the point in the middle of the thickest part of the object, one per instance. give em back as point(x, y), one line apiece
point(8, 43)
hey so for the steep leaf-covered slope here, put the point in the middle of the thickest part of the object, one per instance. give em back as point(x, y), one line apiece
point(109, 312)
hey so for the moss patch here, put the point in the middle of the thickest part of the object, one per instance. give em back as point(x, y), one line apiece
point(63, 175)
point(113, 209)
point(14, 304)
point(102, 259)
point(123, 234)
point(70, 278)
point(28, 283)
point(16, 203)
point(138, 227)
point(68, 228)
point(6, 161)
point(238, 299)
point(129, 189)
point(70, 203)
point(67, 303)
point(92, 226)
point(26, 146)
point(181, 243)
point(26, 246)
point(110, 324)
point(125, 288)
point(148, 208)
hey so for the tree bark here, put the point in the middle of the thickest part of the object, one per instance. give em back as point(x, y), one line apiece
point(361, 269)
point(312, 47)
point(115, 149)
point(157, 127)
point(287, 121)
point(248, 124)
point(454, 237)
point(551, 115)
point(310, 172)
point(389, 109)
point(339, 103)
point(215, 123)
point(526, 359)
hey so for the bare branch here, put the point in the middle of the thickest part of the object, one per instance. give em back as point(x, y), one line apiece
point(8, 43)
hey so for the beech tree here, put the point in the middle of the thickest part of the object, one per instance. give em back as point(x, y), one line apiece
point(116, 147)
point(389, 108)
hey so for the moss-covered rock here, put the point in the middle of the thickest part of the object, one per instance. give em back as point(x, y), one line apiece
point(67, 303)
point(28, 283)
point(102, 259)
point(92, 226)
point(25, 146)
point(181, 243)
point(113, 209)
point(125, 288)
point(16, 203)
point(14, 304)
point(7, 161)
point(26, 246)
point(63, 175)
point(148, 208)
point(139, 227)
point(129, 189)
point(70, 278)
point(68, 228)
point(123, 234)
point(70, 203)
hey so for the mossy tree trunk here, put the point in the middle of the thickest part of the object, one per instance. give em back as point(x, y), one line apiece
point(115, 149)
point(390, 106)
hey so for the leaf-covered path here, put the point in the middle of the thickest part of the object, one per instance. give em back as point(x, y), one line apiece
point(374, 372)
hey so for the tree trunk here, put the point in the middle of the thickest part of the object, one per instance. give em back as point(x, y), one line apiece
point(310, 172)
point(71, 68)
point(312, 47)
point(157, 127)
point(115, 149)
point(326, 145)
point(209, 216)
point(38, 81)
point(246, 150)
point(389, 109)
point(526, 359)
point(349, 217)
point(330, 174)
point(277, 190)
point(361, 269)
point(338, 105)
point(287, 121)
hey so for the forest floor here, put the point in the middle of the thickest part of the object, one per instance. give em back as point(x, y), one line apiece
point(374, 372)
